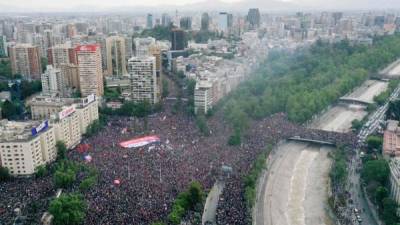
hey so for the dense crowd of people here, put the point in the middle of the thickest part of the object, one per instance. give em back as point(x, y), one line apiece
point(150, 177)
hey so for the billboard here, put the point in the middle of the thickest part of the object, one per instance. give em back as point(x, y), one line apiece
point(139, 142)
point(89, 99)
point(86, 48)
point(43, 126)
point(66, 112)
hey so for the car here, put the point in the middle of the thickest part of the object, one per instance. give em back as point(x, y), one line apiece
point(355, 210)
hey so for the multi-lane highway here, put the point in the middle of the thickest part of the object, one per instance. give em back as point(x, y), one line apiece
point(367, 215)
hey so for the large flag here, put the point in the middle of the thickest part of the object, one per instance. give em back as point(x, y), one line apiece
point(139, 142)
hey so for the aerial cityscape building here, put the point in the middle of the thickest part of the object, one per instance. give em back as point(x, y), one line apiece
point(166, 105)
point(90, 70)
point(25, 60)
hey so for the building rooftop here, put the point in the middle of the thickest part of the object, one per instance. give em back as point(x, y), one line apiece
point(19, 131)
point(391, 139)
point(51, 100)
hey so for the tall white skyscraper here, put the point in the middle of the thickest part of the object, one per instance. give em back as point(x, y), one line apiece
point(53, 81)
point(116, 65)
point(143, 79)
point(223, 21)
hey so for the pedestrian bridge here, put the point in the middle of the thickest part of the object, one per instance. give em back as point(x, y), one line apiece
point(296, 138)
point(354, 101)
point(323, 137)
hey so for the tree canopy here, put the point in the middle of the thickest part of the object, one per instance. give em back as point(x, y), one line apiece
point(68, 209)
point(307, 81)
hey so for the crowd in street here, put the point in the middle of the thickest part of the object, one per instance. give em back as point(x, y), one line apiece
point(139, 185)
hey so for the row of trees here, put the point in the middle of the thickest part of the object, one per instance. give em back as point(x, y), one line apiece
point(338, 176)
point(307, 81)
point(250, 180)
point(70, 208)
point(14, 108)
point(375, 175)
point(5, 69)
point(383, 97)
point(190, 200)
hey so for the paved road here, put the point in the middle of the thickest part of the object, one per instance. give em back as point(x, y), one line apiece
point(210, 208)
point(372, 125)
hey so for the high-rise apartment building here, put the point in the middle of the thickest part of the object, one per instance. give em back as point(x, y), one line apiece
point(143, 79)
point(186, 23)
point(90, 71)
point(205, 21)
point(203, 96)
point(70, 30)
point(48, 38)
point(165, 20)
point(223, 21)
point(53, 82)
point(253, 18)
point(178, 41)
point(61, 54)
point(149, 22)
point(70, 73)
point(116, 65)
point(3, 46)
point(25, 60)
point(155, 51)
point(142, 46)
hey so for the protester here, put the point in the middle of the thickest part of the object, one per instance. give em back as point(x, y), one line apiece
point(139, 185)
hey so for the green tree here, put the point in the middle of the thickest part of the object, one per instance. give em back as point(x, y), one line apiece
point(338, 172)
point(29, 88)
point(4, 174)
point(4, 86)
point(64, 179)
point(87, 183)
point(380, 194)
point(158, 223)
point(176, 215)
point(374, 142)
point(61, 150)
point(143, 110)
point(165, 88)
point(356, 125)
point(389, 214)
point(196, 194)
point(202, 124)
point(9, 110)
point(393, 111)
point(5, 69)
point(68, 209)
point(376, 170)
point(65, 174)
point(41, 171)
point(158, 32)
point(234, 139)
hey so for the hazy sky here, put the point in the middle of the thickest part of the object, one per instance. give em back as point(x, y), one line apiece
point(97, 3)
point(94, 5)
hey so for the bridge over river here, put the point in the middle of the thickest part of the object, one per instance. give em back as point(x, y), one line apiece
point(295, 186)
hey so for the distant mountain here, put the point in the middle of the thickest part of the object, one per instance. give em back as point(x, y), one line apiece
point(350, 4)
point(218, 5)
point(264, 5)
